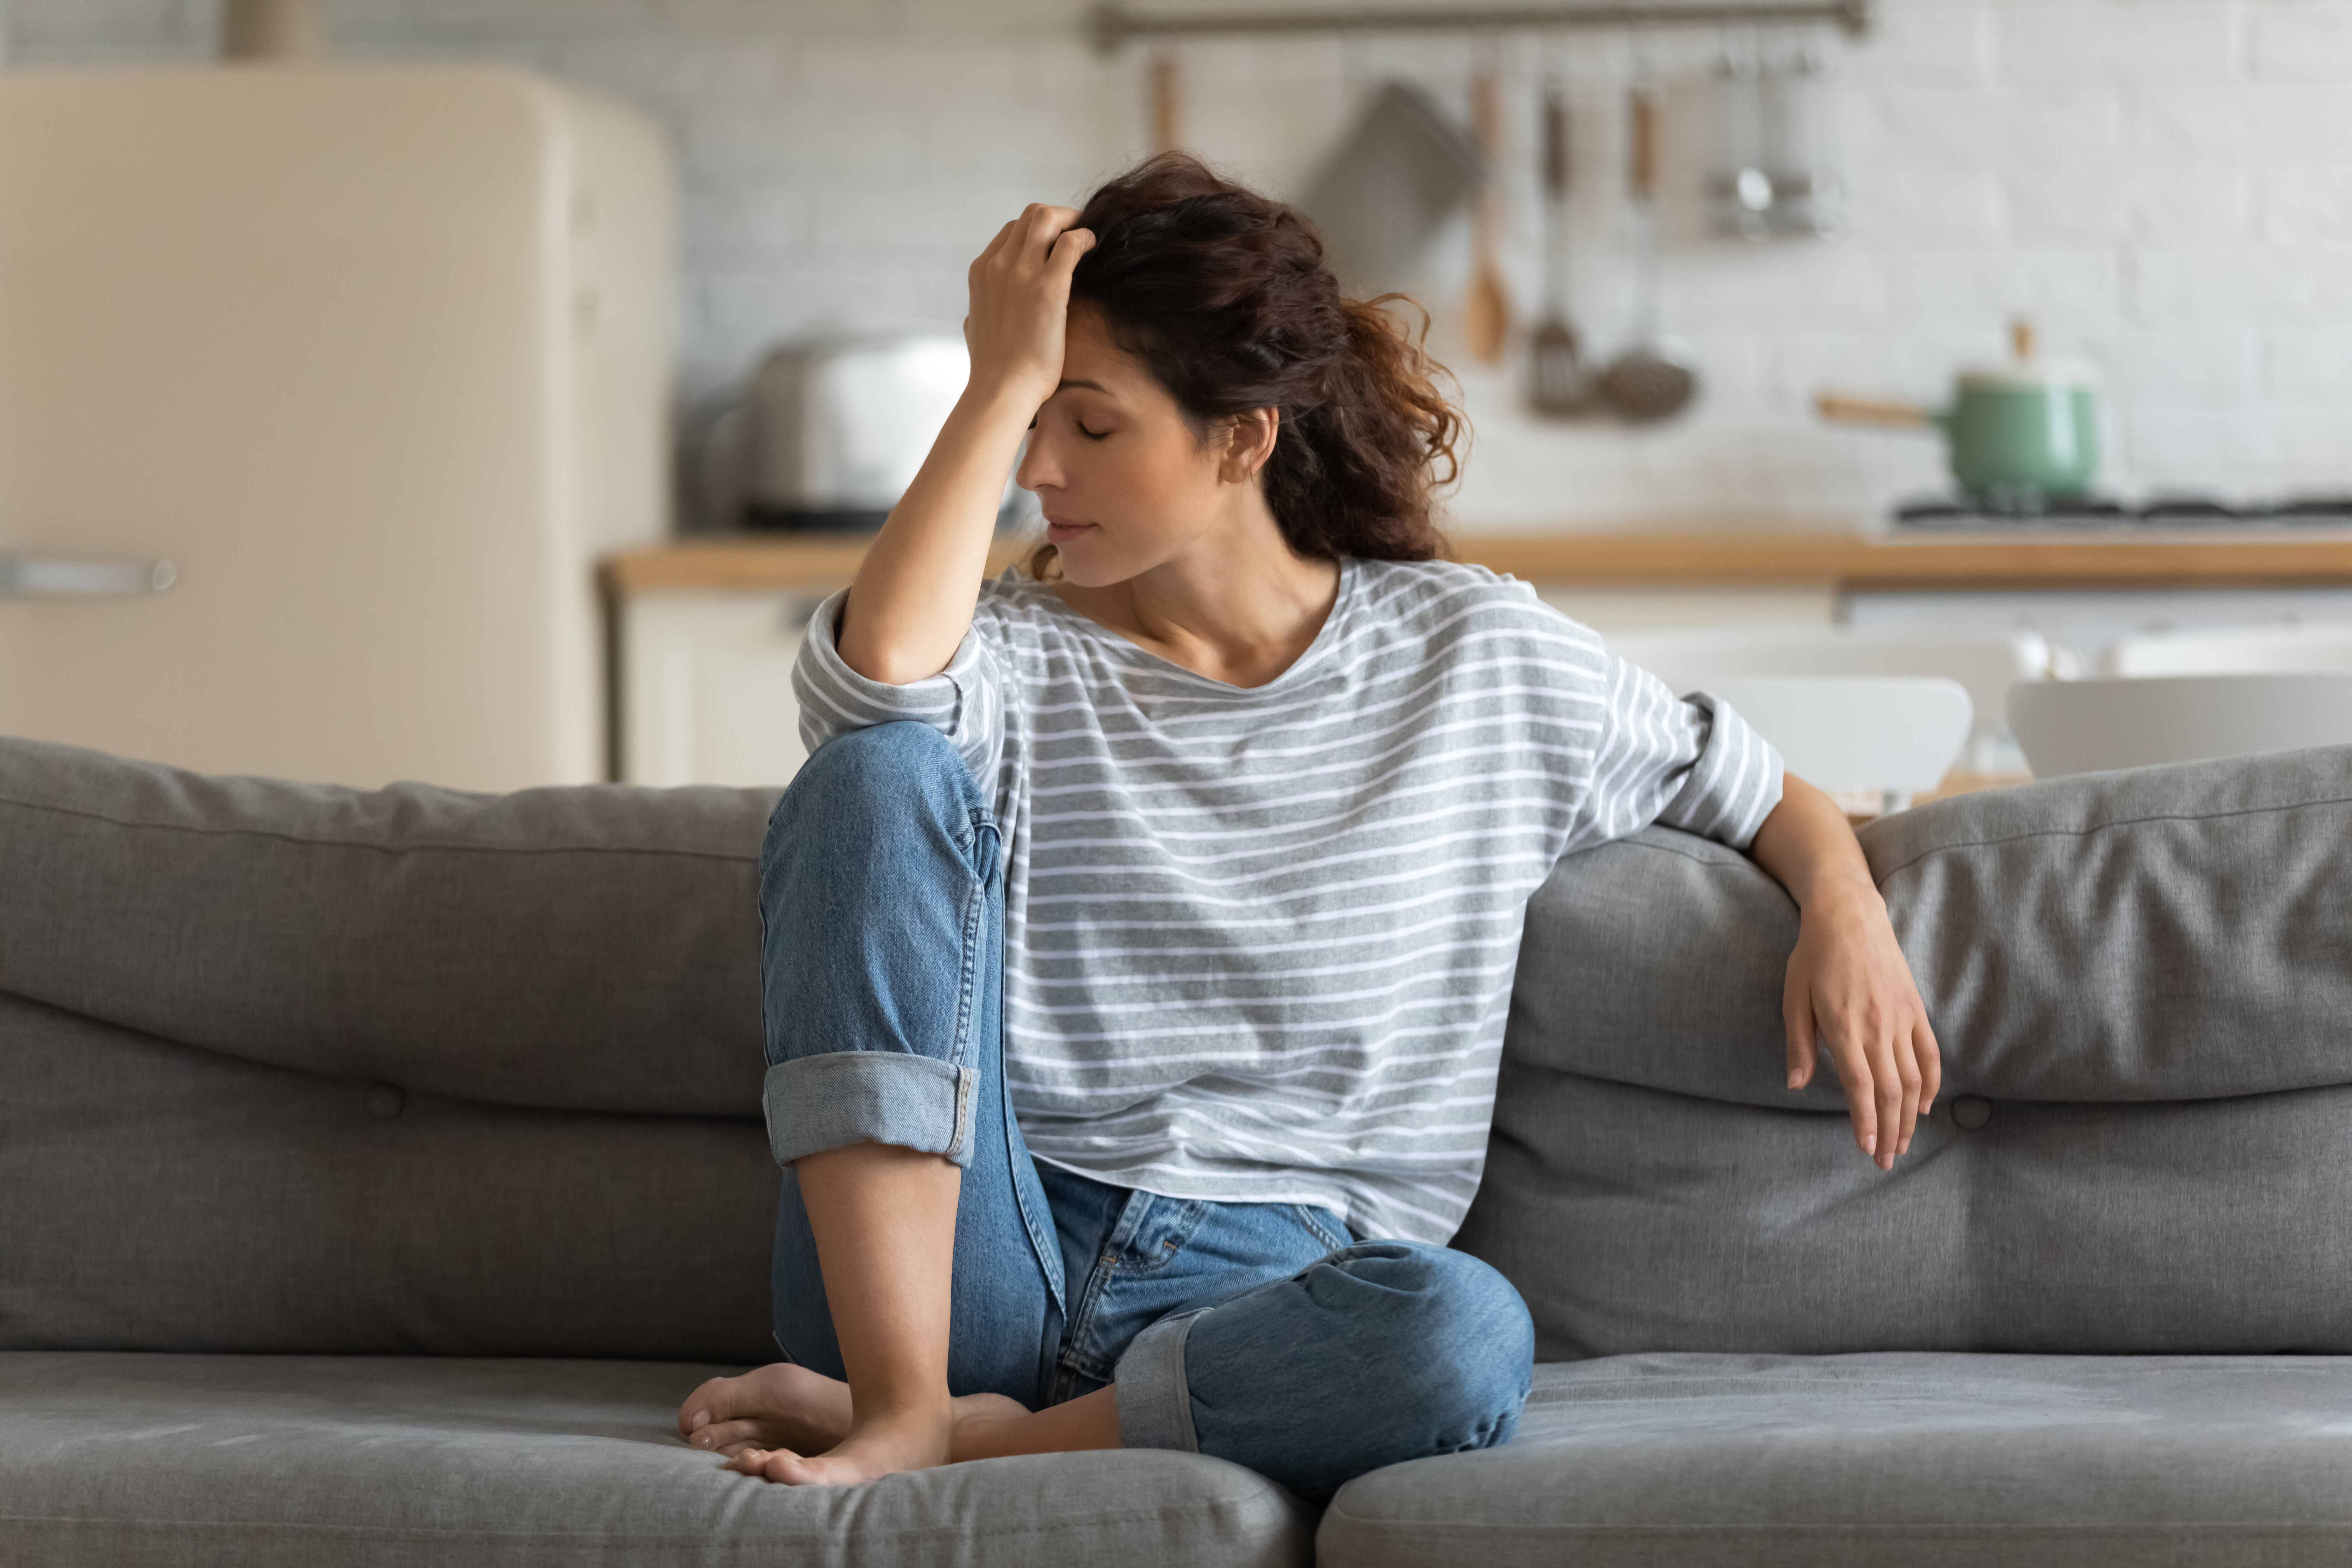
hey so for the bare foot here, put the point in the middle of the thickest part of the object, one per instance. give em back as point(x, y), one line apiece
point(786, 1408)
point(780, 1406)
point(885, 1444)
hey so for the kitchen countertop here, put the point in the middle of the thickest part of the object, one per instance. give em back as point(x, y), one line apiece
point(1749, 558)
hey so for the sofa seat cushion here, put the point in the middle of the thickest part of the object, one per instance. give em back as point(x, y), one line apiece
point(1711, 1461)
point(259, 1461)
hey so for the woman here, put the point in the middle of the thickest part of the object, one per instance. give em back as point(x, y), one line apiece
point(1140, 932)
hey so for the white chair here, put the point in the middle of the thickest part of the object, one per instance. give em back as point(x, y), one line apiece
point(2129, 721)
point(1987, 664)
point(2233, 650)
point(1886, 738)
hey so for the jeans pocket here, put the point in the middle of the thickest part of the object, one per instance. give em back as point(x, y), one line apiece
point(1161, 1237)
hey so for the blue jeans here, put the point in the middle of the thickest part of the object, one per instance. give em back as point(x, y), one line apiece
point(1261, 1333)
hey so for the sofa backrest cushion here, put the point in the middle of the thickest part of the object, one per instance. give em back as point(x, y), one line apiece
point(583, 949)
point(285, 1067)
point(2142, 986)
point(294, 1068)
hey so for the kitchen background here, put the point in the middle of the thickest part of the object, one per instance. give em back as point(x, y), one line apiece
point(2163, 186)
point(345, 414)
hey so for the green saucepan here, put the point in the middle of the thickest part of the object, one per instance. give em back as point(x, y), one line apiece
point(2023, 433)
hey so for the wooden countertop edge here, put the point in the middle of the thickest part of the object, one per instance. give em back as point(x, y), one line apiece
point(1749, 558)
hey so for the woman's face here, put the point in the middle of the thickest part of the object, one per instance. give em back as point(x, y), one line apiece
point(1124, 481)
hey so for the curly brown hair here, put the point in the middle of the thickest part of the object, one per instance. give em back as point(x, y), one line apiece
point(1223, 296)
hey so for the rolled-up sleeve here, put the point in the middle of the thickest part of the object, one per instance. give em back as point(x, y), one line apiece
point(965, 702)
point(1690, 763)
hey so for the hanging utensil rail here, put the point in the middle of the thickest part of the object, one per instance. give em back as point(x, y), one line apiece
point(1113, 24)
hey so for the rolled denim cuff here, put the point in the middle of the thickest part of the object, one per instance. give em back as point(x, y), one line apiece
point(839, 1097)
point(1155, 1408)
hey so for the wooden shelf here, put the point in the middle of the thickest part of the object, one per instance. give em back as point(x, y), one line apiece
point(1748, 558)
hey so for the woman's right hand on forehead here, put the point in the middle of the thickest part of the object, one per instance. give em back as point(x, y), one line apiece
point(1020, 297)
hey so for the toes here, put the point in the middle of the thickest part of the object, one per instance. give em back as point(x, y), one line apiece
point(766, 1464)
point(721, 1436)
point(705, 1405)
point(792, 1470)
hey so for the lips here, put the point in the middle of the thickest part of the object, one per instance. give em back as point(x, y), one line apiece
point(1060, 533)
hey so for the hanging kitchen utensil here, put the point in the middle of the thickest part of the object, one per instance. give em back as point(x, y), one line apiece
point(1486, 314)
point(1556, 379)
point(1396, 183)
point(273, 31)
point(1658, 376)
point(1739, 190)
point(1167, 102)
point(2020, 436)
point(1800, 147)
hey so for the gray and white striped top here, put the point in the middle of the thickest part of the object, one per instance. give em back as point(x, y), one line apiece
point(1259, 943)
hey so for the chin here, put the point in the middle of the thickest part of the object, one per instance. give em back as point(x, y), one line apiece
point(1087, 568)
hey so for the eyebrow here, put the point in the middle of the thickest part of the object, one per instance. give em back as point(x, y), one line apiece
point(1089, 386)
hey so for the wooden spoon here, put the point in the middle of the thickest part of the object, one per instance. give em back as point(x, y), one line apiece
point(1486, 317)
point(1167, 103)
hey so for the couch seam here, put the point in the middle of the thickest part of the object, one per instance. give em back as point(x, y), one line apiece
point(376, 848)
point(1740, 861)
point(2021, 838)
point(1058, 1526)
point(2233, 1527)
point(224, 1053)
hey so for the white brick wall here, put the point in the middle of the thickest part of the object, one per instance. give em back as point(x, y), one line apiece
point(2164, 185)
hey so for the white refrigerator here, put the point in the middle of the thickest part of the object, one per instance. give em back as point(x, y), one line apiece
point(322, 389)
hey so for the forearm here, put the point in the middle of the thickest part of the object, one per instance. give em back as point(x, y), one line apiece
point(1809, 848)
point(1849, 989)
point(911, 601)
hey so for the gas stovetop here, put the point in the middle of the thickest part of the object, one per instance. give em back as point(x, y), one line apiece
point(1963, 514)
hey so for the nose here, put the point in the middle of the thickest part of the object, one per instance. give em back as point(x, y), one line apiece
point(1037, 468)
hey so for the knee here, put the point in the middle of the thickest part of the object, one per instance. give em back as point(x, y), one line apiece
point(860, 787)
point(1474, 1340)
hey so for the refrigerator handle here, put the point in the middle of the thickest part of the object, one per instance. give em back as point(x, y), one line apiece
point(25, 576)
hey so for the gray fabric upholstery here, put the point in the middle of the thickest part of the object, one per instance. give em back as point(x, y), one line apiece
point(154, 1196)
point(2142, 983)
point(297, 1068)
point(2166, 933)
point(304, 1069)
point(290, 1462)
point(589, 949)
point(1703, 1461)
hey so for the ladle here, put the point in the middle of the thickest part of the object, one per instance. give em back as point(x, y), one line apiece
point(1657, 377)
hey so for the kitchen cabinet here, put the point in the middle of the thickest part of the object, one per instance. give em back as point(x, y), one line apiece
point(706, 686)
point(705, 632)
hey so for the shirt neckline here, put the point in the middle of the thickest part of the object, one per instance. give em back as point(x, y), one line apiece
point(1325, 636)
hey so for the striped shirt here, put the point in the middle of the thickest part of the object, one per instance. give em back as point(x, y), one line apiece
point(1259, 942)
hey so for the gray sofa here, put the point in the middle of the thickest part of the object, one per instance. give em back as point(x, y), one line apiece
point(378, 1171)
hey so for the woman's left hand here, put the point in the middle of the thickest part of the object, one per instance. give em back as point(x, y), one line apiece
point(1850, 991)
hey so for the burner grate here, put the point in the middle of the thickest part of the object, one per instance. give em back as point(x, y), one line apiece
point(1961, 514)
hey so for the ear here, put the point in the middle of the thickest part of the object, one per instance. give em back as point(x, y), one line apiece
point(1249, 444)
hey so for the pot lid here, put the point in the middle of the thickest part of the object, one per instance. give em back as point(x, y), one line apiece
point(2027, 369)
point(2029, 375)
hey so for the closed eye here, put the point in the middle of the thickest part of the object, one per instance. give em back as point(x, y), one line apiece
point(1090, 435)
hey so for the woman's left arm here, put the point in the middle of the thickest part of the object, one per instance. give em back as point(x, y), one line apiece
point(1849, 989)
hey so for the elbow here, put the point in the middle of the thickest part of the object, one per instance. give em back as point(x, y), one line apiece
point(886, 664)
